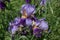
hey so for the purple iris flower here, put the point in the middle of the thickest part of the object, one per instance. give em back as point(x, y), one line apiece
point(14, 23)
point(30, 9)
point(43, 25)
point(37, 32)
point(28, 1)
point(28, 22)
point(43, 2)
point(2, 5)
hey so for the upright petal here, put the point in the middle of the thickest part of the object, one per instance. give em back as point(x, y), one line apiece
point(30, 9)
point(43, 2)
point(28, 1)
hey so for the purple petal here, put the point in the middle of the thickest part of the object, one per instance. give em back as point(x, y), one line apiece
point(28, 22)
point(43, 2)
point(30, 9)
point(43, 25)
point(17, 20)
point(2, 5)
point(28, 1)
point(37, 23)
point(37, 32)
point(23, 21)
point(14, 29)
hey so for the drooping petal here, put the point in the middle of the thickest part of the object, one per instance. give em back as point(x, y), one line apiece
point(14, 29)
point(37, 32)
point(43, 25)
point(28, 22)
point(23, 21)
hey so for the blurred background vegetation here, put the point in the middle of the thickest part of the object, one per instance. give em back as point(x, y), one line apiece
point(52, 15)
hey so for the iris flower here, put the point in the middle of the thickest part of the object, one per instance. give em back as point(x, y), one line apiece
point(43, 2)
point(28, 1)
point(2, 4)
point(13, 26)
point(37, 32)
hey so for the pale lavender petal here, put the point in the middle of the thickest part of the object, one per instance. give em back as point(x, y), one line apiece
point(37, 23)
point(43, 25)
point(30, 9)
point(28, 22)
point(14, 29)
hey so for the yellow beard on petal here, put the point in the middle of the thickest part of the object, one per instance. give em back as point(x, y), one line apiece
point(20, 27)
point(24, 15)
point(33, 23)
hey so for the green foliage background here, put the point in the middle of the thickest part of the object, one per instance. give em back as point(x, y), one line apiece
point(52, 15)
